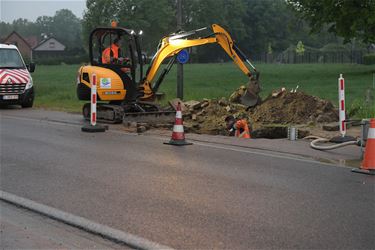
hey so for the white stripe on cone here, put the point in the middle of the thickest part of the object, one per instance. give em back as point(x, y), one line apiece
point(179, 114)
point(178, 128)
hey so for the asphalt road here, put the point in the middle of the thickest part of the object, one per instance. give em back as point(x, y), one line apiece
point(199, 196)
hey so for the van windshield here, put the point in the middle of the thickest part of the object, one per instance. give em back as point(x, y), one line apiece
point(10, 58)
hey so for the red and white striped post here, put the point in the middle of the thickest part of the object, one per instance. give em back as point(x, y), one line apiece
point(93, 100)
point(342, 105)
point(92, 127)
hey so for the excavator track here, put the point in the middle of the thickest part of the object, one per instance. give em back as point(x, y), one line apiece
point(154, 117)
point(105, 113)
point(145, 112)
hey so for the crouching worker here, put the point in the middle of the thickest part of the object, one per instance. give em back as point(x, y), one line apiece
point(238, 126)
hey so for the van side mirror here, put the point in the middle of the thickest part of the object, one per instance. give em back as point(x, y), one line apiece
point(31, 67)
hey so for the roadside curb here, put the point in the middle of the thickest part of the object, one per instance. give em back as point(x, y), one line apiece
point(82, 223)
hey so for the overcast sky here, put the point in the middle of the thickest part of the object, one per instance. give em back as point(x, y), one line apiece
point(31, 9)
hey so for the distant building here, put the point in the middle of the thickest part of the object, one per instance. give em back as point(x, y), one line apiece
point(31, 48)
point(49, 47)
point(24, 47)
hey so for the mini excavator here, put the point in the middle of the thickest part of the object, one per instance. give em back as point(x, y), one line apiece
point(125, 91)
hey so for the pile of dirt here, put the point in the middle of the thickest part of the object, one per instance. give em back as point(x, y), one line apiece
point(207, 117)
point(294, 108)
point(283, 109)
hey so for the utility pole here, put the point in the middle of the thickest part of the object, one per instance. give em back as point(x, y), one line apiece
point(180, 66)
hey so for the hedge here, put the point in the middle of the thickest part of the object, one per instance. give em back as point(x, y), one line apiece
point(369, 59)
point(62, 60)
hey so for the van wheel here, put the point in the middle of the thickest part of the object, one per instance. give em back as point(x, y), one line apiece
point(28, 99)
point(28, 102)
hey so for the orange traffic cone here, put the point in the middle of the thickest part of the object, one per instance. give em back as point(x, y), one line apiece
point(368, 164)
point(178, 135)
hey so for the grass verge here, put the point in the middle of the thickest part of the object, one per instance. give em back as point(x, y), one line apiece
point(56, 85)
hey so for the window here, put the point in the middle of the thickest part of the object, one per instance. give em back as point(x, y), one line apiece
point(10, 58)
point(52, 45)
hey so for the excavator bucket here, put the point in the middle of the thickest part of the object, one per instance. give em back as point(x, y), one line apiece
point(251, 96)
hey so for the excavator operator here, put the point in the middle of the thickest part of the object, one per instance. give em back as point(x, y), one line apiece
point(112, 53)
point(238, 126)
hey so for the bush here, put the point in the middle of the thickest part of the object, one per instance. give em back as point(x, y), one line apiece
point(62, 60)
point(369, 59)
point(334, 47)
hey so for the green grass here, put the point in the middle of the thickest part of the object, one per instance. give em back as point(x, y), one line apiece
point(55, 85)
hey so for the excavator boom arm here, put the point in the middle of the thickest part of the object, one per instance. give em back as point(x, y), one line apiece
point(171, 46)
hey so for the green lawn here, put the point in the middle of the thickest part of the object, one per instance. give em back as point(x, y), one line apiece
point(55, 85)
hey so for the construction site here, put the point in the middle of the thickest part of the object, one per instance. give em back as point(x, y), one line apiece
point(171, 139)
point(270, 119)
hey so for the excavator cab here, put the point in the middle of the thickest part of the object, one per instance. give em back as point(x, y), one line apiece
point(116, 59)
point(118, 49)
point(101, 39)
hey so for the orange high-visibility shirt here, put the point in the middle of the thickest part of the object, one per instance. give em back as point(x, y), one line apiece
point(106, 56)
point(242, 129)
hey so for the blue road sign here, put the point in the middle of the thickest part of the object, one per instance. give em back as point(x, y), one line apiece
point(183, 56)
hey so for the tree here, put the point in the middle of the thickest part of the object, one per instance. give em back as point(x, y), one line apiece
point(158, 18)
point(24, 27)
point(254, 24)
point(203, 13)
point(64, 26)
point(266, 22)
point(5, 29)
point(44, 25)
point(67, 28)
point(300, 48)
point(155, 18)
point(346, 18)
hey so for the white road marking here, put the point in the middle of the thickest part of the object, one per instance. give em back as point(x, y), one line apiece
point(80, 222)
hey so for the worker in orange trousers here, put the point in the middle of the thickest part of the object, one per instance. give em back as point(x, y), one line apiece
point(238, 126)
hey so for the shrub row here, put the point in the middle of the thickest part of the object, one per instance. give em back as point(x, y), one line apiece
point(369, 59)
point(62, 60)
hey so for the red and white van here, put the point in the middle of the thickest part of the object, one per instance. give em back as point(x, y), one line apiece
point(16, 84)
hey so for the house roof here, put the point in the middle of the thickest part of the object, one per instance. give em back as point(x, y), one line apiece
point(32, 41)
point(14, 32)
point(46, 40)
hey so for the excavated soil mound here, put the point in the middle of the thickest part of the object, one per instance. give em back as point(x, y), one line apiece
point(207, 117)
point(294, 108)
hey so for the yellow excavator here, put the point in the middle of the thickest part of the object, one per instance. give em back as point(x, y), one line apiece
point(125, 92)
